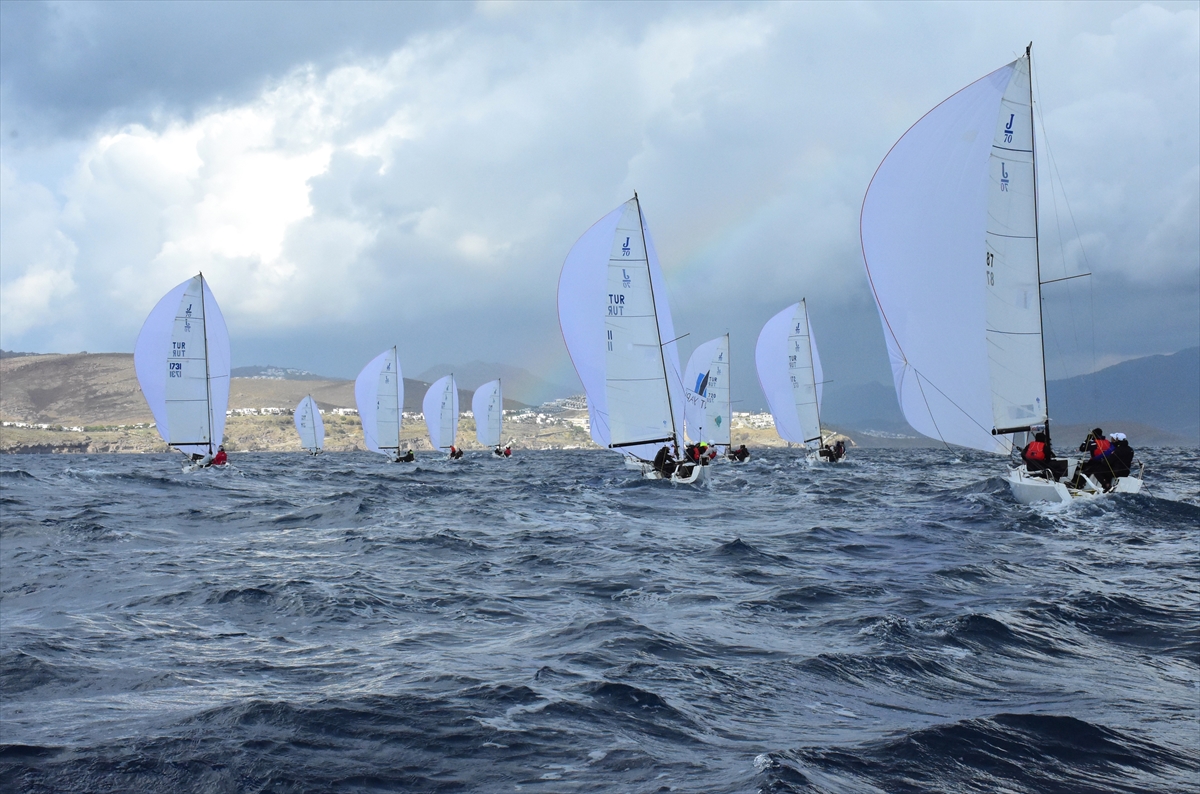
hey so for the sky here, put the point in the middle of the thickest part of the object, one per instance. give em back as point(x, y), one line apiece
point(353, 176)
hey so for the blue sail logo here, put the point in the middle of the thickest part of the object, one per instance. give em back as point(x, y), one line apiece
point(1008, 131)
point(626, 282)
point(625, 248)
point(1003, 177)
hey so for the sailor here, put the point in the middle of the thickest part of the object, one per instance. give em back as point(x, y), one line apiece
point(839, 450)
point(508, 450)
point(826, 453)
point(220, 459)
point(455, 452)
point(712, 450)
point(1096, 444)
point(1116, 461)
point(407, 457)
point(498, 452)
point(740, 454)
point(664, 464)
point(1039, 457)
point(701, 454)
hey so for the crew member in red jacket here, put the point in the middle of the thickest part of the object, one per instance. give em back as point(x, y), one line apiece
point(220, 459)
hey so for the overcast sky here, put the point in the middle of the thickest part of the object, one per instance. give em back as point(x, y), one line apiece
point(350, 177)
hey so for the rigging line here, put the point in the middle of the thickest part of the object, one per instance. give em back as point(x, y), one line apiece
point(948, 399)
point(932, 418)
point(1074, 225)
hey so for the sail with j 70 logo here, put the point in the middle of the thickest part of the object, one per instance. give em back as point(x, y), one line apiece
point(789, 371)
point(706, 393)
point(616, 322)
point(949, 237)
point(182, 364)
point(488, 405)
point(310, 426)
point(379, 395)
point(441, 412)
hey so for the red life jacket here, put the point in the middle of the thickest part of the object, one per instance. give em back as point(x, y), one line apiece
point(1102, 445)
point(1036, 450)
point(220, 458)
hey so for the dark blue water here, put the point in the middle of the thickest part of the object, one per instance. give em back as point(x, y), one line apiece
point(553, 624)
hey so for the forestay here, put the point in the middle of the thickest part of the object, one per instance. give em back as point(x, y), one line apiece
point(441, 412)
point(487, 405)
point(309, 425)
point(629, 399)
point(379, 395)
point(949, 239)
point(706, 392)
point(789, 371)
point(182, 363)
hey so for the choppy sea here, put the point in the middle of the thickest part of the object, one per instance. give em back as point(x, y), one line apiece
point(552, 623)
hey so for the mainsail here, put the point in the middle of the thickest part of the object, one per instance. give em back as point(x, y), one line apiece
point(487, 405)
point(309, 425)
point(706, 392)
point(616, 322)
point(379, 394)
point(789, 371)
point(949, 237)
point(182, 363)
point(441, 412)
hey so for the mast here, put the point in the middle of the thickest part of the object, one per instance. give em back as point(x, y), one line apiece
point(813, 369)
point(207, 379)
point(729, 392)
point(399, 407)
point(657, 330)
point(1037, 255)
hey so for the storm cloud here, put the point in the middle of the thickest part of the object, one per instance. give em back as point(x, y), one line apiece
point(354, 176)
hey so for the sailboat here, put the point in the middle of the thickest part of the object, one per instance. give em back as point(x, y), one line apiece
point(379, 395)
point(706, 408)
point(616, 322)
point(949, 230)
point(182, 363)
point(488, 406)
point(441, 414)
point(310, 426)
point(789, 371)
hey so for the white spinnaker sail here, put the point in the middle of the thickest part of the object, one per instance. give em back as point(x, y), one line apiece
point(309, 425)
point(706, 392)
point(379, 395)
point(789, 371)
point(583, 313)
point(182, 363)
point(487, 404)
point(948, 236)
point(441, 412)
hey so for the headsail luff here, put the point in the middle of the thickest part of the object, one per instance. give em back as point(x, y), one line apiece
point(182, 363)
point(949, 237)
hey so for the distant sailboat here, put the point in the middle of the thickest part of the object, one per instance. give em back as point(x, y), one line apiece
point(182, 363)
point(706, 411)
point(379, 394)
point(950, 239)
point(310, 426)
point(789, 371)
point(488, 406)
point(616, 322)
point(441, 414)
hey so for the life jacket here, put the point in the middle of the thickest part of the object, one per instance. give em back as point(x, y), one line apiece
point(1103, 445)
point(1036, 450)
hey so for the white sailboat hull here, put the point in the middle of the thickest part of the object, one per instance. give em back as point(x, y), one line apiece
point(1030, 489)
point(697, 475)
